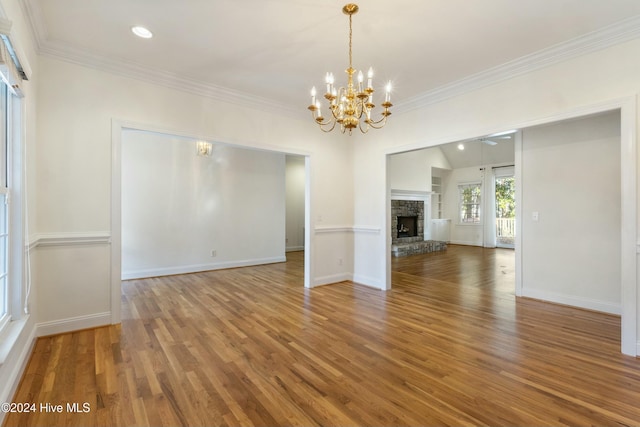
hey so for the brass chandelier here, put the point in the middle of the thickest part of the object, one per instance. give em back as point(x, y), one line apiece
point(350, 106)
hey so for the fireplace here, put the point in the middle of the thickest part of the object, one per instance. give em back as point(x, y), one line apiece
point(407, 229)
point(407, 226)
point(407, 221)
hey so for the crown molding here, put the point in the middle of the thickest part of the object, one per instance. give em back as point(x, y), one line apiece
point(617, 33)
point(620, 32)
point(36, 22)
point(136, 71)
point(84, 57)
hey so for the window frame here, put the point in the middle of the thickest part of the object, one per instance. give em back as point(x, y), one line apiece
point(11, 184)
point(478, 203)
point(5, 287)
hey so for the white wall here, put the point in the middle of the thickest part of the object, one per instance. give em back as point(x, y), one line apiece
point(80, 114)
point(295, 181)
point(411, 171)
point(571, 178)
point(178, 207)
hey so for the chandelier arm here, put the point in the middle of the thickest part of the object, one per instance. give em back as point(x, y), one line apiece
point(326, 130)
point(380, 122)
point(336, 107)
point(360, 109)
point(365, 130)
point(331, 122)
point(323, 124)
point(333, 113)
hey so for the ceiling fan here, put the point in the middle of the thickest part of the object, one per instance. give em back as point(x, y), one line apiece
point(492, 139)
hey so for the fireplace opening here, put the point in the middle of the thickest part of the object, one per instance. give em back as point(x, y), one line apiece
point(407, 226)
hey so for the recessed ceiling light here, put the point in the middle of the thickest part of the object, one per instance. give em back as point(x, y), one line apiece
point(142, 32)
point(460, 147)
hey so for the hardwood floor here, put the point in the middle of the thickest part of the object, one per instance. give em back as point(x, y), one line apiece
point(448, 345)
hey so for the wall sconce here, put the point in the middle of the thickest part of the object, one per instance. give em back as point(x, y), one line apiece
point(204, 148)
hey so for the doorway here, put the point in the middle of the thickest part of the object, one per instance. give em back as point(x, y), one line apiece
point(505, 207)
point(250, 159)
point(626, 231)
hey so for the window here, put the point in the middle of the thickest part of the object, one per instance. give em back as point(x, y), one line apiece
point(4, 211)
point(470, 202)
point(12, 293)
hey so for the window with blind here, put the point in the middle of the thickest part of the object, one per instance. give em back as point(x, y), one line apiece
point(469, 198)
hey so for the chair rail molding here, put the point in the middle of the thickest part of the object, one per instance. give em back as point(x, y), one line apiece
point(70, 239)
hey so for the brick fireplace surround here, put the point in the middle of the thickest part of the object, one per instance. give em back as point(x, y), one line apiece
point(403, 246)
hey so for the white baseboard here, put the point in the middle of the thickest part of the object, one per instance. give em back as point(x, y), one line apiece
point(332, 279)
point(294, 248)
point(73, 324)
point(14, 365)
point(341, 277)
point(368, 281)
point(464, 243)
point(589, 304)
point(196, 268)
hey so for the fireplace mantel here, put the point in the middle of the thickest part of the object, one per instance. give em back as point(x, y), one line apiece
point(410, 195)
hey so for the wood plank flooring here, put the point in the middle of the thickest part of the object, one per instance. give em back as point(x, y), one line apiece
point(448, 345)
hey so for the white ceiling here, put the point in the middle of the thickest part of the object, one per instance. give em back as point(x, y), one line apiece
point(477, 153)
point(273, 51)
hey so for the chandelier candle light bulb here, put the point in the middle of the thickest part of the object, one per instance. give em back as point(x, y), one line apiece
point(350, 106)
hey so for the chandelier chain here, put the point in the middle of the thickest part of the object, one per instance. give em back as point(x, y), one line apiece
point(350, 42)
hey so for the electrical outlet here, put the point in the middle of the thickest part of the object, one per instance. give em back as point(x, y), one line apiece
point(339, 261)
point(214, 253)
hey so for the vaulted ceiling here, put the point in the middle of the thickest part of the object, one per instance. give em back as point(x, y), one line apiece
point(271, 52)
